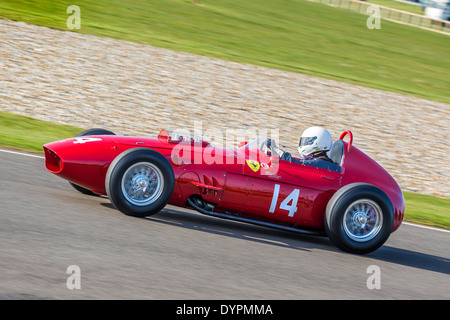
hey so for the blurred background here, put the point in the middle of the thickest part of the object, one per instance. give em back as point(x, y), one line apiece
point(135, 67)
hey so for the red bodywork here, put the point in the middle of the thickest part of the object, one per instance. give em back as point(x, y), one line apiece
point(231, 184)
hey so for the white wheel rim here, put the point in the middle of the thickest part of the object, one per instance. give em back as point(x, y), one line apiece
point(363, 220)
point(142, 183)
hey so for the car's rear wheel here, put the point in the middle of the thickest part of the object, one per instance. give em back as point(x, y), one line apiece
point(140, 182)
point(359, 218)
point(90, 132)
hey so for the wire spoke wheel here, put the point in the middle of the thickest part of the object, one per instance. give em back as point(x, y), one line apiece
point(362, 220)
point(359, 218)
point(142, 183)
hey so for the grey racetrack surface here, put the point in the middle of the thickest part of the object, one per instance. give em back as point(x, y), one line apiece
point(46, 226)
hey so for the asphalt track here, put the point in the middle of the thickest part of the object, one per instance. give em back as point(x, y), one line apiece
point(46, 226)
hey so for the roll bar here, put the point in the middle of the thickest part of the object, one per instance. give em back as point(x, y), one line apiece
point(350, 139)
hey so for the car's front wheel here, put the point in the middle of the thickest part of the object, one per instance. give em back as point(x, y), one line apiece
point(359, 218)
point(140, 182)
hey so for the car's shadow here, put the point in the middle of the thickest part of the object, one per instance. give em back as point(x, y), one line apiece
point(191, 219)
point(195, 221)
point(238, 230)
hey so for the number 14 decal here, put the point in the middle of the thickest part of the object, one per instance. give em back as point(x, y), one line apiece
point(293, 196)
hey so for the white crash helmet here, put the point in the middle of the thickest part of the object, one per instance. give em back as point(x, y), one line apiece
point(314, 139)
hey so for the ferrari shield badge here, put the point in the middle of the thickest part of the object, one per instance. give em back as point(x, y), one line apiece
point(254, 165)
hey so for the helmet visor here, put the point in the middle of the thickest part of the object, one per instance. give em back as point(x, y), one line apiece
point(306, 141)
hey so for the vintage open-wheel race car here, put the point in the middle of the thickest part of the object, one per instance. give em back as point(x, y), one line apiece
point(352, 200)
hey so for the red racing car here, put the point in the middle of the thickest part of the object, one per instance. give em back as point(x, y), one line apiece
point(352, 199)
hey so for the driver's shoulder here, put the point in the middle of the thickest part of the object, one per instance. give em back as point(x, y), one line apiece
point(313, 162)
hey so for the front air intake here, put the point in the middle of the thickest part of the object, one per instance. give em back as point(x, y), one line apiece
point(53, 162)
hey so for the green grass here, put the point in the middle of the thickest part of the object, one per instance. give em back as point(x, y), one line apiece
point(28, 134)
point(292, 35)
point(399, 6)
point(428, 210)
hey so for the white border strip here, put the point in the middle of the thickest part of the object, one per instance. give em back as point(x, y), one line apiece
point(23, 154)
point(407, 223)
point(425, 227)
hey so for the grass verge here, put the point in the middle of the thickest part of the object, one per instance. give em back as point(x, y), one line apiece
point(28, 134)
point(408, 7)
point(293, 35)
point(429, 210)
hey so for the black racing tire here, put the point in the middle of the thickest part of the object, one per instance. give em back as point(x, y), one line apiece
point(140, 182)
point(359, 218)
point(95, 132)
point(90, 132)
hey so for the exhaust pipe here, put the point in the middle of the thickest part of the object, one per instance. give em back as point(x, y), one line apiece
point(206, 208)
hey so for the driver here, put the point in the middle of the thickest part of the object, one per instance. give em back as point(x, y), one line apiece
point(314, 143)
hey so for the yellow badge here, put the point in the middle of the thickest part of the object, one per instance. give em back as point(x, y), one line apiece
point(254, 165)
